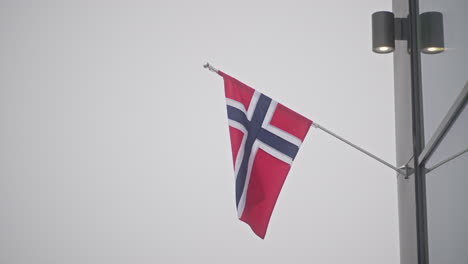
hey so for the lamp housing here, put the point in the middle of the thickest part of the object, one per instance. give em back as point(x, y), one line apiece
point(432, 33)
point(383, 32)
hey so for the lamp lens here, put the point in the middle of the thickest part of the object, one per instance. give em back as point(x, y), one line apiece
point(384, 49)
point(433, 49)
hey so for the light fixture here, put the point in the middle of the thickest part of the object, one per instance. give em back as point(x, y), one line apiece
point(432, 32)
point(383, 32)
point(386, 29)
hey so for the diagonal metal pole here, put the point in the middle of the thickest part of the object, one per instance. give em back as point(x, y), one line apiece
point(447, 160)
point(449, 119)
point(315, 125)
point(209, 67)
point(356, 147)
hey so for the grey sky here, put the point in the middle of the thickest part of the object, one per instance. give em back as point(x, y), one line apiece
point(114, 145)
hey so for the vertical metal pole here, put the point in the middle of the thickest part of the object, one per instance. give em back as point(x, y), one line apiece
point(418, 134)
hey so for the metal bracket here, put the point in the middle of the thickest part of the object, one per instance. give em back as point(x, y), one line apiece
point(402, 31)
point(401, 28)
point(406, 171)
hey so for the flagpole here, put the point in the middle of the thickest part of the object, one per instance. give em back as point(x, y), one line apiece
point(315, 125)
point(209, 67)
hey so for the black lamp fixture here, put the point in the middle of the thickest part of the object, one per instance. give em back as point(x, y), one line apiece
point(432, 33)
point(383, 32)
point(386, 29)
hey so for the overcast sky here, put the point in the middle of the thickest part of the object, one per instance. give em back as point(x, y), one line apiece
point(114, 144)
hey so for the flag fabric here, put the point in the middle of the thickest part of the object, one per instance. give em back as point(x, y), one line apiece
point(265, 138)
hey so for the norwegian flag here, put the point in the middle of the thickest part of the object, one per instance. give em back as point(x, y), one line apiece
point(265, 139)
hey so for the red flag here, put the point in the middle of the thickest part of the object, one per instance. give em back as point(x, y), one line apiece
point(265, 138)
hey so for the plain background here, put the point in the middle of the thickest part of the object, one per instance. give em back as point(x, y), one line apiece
point(114, 144)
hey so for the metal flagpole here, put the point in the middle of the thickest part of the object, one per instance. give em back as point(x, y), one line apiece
point(315, 125)
point(209, 67)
